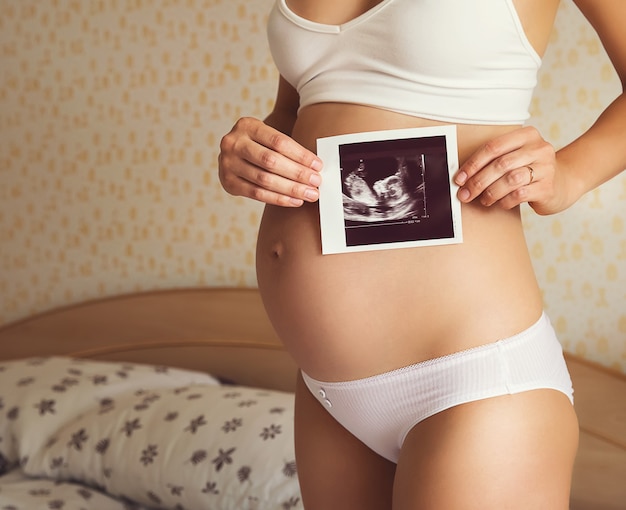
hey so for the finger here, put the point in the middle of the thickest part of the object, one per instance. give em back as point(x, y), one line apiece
point(492, 150)
point(251, 190)
point(269, 149)
point(260, 184)
point(280, 143)
point(277, 183)
point(510, 183)
point(244, 159)
point(497, 178)
point(497, 157)
point(518, 197)
point(277, 163)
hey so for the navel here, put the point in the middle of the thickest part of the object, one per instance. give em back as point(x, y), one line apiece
point(277, 250)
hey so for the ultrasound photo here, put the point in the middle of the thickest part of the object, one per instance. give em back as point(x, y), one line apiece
point(389, 189)
point(384, 189)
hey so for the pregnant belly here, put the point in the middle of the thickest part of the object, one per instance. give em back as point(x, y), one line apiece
point(353, 315)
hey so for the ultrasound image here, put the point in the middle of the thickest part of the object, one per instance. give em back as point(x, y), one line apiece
point(385, 184)
point(385, 189)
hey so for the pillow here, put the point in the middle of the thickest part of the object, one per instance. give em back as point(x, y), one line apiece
point(18, 492)
point(193, 445)
point(40, 395)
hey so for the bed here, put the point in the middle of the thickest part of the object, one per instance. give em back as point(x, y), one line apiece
point(182, 399)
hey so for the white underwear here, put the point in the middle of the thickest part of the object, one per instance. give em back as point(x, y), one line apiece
point(382, 409)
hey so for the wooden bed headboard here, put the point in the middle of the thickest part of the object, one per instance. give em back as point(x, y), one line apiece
point(223, 331)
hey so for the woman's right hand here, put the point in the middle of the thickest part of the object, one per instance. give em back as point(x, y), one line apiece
point(259, 162)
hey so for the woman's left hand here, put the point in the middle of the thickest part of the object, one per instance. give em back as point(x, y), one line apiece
point(516, 167)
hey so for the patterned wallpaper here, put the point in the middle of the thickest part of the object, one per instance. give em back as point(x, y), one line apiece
point(111, 112)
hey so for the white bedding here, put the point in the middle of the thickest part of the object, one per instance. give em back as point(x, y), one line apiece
point(150, 436)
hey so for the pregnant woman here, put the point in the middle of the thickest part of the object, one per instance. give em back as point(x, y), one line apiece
point(430, 376)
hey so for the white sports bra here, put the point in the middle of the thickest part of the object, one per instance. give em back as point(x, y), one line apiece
point(461, 61)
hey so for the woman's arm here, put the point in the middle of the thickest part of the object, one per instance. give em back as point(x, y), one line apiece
point(600, 153)
point(498, 172)
point(259, 159)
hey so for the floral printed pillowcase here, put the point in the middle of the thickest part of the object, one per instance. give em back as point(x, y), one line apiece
point(163, 438)
point(17, 492)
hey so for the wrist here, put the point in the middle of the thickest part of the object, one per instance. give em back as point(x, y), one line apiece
point(570, 183)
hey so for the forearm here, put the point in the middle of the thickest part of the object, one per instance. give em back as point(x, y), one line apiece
point(598, 155)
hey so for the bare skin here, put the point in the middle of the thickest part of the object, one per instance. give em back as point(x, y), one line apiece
point(339, 315)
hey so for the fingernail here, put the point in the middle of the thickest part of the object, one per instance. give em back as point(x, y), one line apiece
point(461, 177)
point(316, 165)
point(315, 180)
point(311, 195)
point(463, 194)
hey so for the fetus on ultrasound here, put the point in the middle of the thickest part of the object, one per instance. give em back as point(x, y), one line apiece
point(373, 193)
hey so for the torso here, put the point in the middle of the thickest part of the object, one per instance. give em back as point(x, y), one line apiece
point(349, 316)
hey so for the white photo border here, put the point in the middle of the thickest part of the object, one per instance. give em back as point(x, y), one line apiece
point(331, 210)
